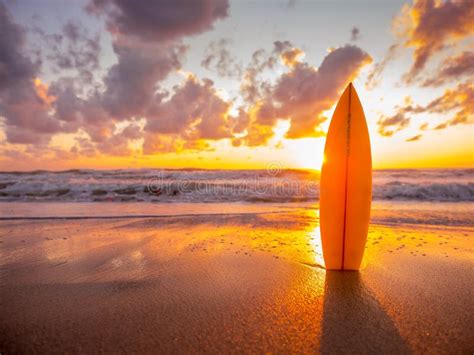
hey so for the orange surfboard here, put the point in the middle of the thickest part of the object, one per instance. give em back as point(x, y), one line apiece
point(346, 185)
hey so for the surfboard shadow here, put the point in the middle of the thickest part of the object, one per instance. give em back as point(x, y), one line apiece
point(353, 320)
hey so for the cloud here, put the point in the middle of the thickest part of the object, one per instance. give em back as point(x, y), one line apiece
point(67, 104)
point(456, 102)
point(414, 138)
point(147, 40)
point(161, 20)
point(131, 83)
point(241, 121)
point(16, 68)
point(452, 68)
point(157, 143)
point(460, 100)
point(429, 26)
point(73, 49)
point(288, 54)
point(389, 125)
point(373, 78)
point(355, 33)
point(257, 135)
point(129, 104)
point(22, 103)
point(118, 143)
point(218, 57)
point(194, 111)
point(291, 57)
point(33, 111)
point(303, 93)
point(252, 88)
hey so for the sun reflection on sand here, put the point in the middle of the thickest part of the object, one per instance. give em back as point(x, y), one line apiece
point(315, 240)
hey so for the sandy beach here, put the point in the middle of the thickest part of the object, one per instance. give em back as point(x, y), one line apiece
point(234, 282)
point(170, 172)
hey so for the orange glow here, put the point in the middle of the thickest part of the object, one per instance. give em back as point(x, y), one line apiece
point(42, 92)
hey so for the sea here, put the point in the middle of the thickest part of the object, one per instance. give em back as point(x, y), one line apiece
point(434, 196)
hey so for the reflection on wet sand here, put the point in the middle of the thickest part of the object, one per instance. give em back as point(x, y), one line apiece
point(229, 283)
point(353, 319)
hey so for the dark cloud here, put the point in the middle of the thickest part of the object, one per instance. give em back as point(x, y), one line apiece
point(217, 57)
point(194, 111)
point(453, 68)
point(428, 26)
point(74, 49)
point(355, 33)
point(161, 20)
point(78, 114)
point(33, 112)
point(147, 40)
point(23, 99)
point(132, 82)
point(15, 68)
point(66, 104)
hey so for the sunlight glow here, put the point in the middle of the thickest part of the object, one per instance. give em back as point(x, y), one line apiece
point(307, 152)
point(315, 240)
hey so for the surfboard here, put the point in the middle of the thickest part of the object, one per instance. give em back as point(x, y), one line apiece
point(346, 185)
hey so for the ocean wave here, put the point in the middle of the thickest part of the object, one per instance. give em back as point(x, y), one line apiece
point(424, 192)
point(194, 185)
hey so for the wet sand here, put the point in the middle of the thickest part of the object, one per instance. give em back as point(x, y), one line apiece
point(230, 284)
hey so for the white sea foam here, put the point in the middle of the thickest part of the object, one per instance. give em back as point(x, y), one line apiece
point(209, 186)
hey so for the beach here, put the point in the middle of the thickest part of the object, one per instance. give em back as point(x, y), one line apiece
point(233, 278)
point(236, 177)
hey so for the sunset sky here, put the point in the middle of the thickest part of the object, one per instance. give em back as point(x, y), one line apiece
point(231, 84)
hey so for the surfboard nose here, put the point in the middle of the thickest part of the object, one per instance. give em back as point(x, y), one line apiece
point(348, 89)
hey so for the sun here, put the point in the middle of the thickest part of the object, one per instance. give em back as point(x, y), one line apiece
point(307, 152)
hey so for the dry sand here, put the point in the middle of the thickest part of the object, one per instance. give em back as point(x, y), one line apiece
point(230, 284)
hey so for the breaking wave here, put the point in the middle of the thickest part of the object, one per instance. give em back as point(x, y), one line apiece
point(194, 185)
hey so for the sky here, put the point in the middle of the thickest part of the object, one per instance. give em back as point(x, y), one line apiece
point(231, 84)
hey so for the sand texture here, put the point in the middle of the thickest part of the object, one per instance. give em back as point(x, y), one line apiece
point(230, 284)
